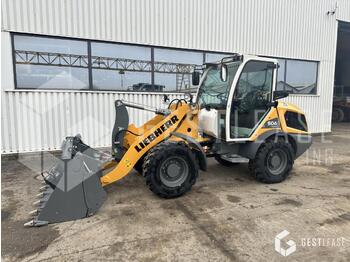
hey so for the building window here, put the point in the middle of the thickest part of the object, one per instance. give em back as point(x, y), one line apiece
point(120, 67)
point(173, 68)
point(214, 57)
point(50, 63)
point(301, 77)
point(63, 63)
point(297, 76)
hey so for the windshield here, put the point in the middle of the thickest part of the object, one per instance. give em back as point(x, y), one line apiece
point(213, 92)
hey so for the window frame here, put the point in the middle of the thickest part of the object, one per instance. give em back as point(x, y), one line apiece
point(272, 89)
point(14, 64)
point(89, 57)
point(285, 73)
point(229, 104)
point(152, 72)
point(316, 82)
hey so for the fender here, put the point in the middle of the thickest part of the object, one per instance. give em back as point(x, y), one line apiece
point(249, 149)
point(197, 147)
point(300, 143)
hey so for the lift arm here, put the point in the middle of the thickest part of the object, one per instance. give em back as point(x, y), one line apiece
point(142, 144)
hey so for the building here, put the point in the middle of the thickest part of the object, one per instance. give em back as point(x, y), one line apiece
point(65, 61)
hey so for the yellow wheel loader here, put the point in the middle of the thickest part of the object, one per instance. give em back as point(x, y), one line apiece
point(235, 117)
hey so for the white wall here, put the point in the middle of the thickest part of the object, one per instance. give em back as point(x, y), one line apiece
point(40, 120)
point(293, 29)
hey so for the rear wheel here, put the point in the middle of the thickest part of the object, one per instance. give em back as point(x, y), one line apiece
point(338, 114)
point(224, 162)
point(273, 161)
point(170, 169)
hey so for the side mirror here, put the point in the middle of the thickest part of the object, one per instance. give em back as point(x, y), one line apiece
point(223, 73)
point(195, 78)
point(280, 94)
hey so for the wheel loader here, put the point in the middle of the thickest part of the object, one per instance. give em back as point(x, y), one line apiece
point(235, 116)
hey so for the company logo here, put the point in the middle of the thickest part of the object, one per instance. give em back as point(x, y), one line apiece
point(156, 133)
point(291, 244)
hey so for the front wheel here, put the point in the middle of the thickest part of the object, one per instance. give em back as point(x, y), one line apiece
point(273, 161)
point(170, 169)
point(138, 166)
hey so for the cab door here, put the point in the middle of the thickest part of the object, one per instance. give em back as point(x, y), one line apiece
point(249, 98)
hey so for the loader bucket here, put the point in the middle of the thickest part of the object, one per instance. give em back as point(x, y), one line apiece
point(71, 189)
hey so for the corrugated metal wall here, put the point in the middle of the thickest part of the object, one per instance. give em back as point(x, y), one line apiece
point(40, 120)
point(295, 28)
point(282, 28)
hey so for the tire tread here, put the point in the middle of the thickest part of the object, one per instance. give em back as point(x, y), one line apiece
point(152, 161)
point(257, 166)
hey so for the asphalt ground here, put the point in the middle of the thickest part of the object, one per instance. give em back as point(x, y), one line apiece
point(227, 216)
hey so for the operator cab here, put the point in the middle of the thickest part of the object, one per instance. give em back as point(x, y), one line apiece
point(234, 96)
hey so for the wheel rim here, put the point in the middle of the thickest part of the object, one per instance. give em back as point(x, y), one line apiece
point(173, 171)
point(277, 161)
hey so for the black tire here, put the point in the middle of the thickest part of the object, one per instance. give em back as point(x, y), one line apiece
point(273, 161)
point(224, 162)
point(138, 167)
point(338, 114)
point(161, 161)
